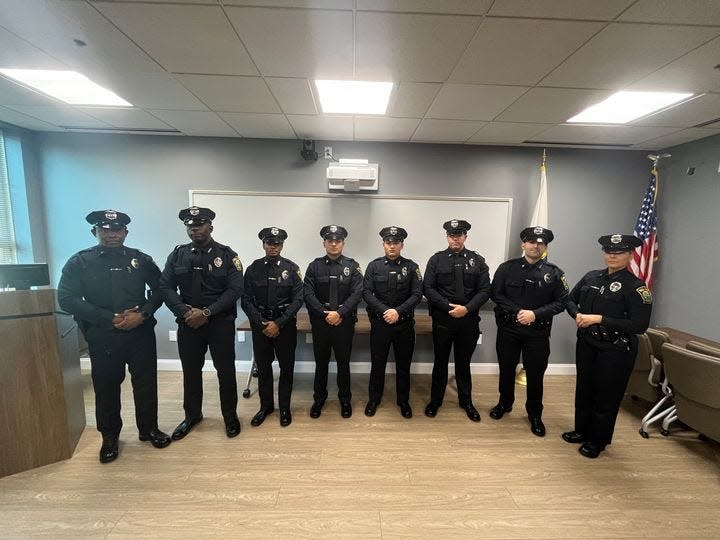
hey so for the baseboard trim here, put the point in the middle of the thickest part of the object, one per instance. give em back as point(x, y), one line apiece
point(243, 366)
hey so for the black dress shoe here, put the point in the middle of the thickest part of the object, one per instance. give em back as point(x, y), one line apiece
point(184, 427)
point(536, 426)
point(370, 408)
point(232, 426)
point(406, 410)
point(497, 412)
point(158, 438)
point(431, 409)
point(316, 409)
point(573, 437)
point(260, 416)
point(109, 451)
point(285, 417)
point(471, 412)
point(345, 409)
point(591, 450)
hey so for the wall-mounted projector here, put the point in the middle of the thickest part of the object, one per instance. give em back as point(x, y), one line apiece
point(353, 175)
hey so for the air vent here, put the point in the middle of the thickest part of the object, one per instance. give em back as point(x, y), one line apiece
point(570, 143)
point(150, 131)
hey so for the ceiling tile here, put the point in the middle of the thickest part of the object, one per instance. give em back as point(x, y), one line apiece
point(22, 120)
point(369, 128)
point(473, 102)
point(52, 25)
point(15, 94)
point(400, 47)
point(322, 127)
point(61, 116)
point(152, 91)
point(695, 72)
point(600, 135)
point(196, 123)
point(316, 4)
point(457, 7)
point(678, 137)
point(18, 53)
point(292, 43)
point(623, 53)
point(551, 105)
point(161, 1)
point(231, 94)
point(446, 131)
point(125, 118)
point(520, 51)
point(412, 100)
point(560, 9)
point(696, 111)
point(260, 126)
point(183, 38)
point(703, 12)
point(293, 95)
point(506, 132)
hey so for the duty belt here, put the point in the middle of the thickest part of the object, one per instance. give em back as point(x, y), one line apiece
point(510, 319)
point(273, 313)
point(600, 332)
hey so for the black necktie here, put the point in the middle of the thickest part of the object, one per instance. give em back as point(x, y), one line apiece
point(392, 286)
point(196, 299)
point(116, 288)
point(333, 289)
point(459, 282)
point(271, 286)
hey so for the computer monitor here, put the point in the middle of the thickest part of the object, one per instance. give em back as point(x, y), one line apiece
point(23, 276)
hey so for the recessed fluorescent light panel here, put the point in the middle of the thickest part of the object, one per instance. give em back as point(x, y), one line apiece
point(622, 107)
point(354, 97)
point(68, 86)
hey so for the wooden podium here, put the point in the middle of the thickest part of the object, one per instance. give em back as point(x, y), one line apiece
point(42, 412)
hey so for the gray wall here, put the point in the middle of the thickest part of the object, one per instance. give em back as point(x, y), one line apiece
point(687, 290)
point(591, 192)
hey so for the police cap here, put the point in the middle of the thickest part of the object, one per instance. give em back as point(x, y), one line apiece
point(393, 234)
point(541, 235)
point(196, 215)
point(333, 232)
point(272, 235)
point(108, 219)
point(619, 243)
point(456, 227)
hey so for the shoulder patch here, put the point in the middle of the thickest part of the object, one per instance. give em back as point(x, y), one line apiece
point(418, 273)
point(565, 282)
point(237, 263)
point(645, 294)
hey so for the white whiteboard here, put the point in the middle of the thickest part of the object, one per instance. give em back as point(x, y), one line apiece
point(241, 215)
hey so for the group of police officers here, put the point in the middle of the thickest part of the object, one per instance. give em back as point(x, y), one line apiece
point(113, 292)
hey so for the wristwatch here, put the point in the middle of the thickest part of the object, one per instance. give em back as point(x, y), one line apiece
point(206, 312)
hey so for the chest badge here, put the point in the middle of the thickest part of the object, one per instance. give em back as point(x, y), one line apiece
point(135, 264)
point(471, 262)
point(546, 277)
point(404, 270)
point(615, 286)
point(346, 271)
point(284, 274)
point(217, 262)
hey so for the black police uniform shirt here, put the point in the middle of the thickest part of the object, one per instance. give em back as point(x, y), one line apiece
point(623, 300)
point(441, 280)
point(288, 291)
point(540, 287)
point(317, 286)
point(98, 282)
point(222, 279)
point(392, 284)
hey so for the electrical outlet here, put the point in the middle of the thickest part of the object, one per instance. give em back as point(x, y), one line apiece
point(241, 337)
point(172, 335)
point(328, 152)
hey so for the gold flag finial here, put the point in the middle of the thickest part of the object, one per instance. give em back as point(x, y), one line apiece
point(544, 156)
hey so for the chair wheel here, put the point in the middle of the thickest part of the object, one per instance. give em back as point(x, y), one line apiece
point(246, 393)
point(664, 432)
point(644, 434)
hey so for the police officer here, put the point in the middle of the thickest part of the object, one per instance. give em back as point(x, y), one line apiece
point(103, 287)
point(332, 289)
point(273, 296)
point(392, 289)
point(457, 284)
point(610, 308)
point(209, 278)
point(527, 292)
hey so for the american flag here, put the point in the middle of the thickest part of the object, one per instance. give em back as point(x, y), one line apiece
point(646, 255)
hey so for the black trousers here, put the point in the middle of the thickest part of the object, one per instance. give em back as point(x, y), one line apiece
point(603, 372)
point(461, 335)
point(534, 346)
point(218, 335)
point(110, 351)
point(327, 339)
point(401, 336)
point(265, 350)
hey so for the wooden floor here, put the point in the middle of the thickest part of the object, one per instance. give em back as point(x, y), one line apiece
point(382, 477)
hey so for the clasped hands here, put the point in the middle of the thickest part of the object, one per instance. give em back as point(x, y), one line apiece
point(128, 319)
